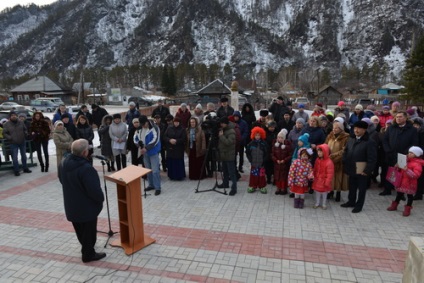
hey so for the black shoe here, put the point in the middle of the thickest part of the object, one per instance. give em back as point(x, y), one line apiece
point(222, 186)
point(149, 189)
point(380, 185)
point(99, 146)
point(278, 192)
point(311, 191)
point(165, 170)
point(27, 170)
point(96, 256)
point(330, 195)
point(238, 176)
point(17, 173)
point(291, 195)
point(356, 210)
point(268, 181)
point(232, 192)
point(347, 204)
point(42, 167)
point(46, 169)
point(385, 193)
point(241, 170)
point(416, 197)
point(157, 192)
point(374, 180)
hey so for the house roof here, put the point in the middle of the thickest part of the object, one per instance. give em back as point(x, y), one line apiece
point(77, 86)
point(391, 86)
point(40, 84)
point(324, 88)
point(215, 87)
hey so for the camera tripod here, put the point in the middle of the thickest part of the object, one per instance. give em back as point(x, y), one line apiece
point(215, 187)
point(109, 233)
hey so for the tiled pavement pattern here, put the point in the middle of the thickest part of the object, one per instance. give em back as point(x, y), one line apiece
point(205, 237)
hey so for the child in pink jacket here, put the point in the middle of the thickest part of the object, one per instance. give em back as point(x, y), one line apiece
point(410, 174)
point(323, 175)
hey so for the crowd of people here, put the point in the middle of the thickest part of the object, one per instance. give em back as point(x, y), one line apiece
point(324, 153)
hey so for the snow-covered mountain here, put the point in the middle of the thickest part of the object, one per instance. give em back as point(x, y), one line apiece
point(258, 33)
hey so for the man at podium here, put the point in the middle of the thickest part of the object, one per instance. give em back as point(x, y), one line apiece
point(83, 197)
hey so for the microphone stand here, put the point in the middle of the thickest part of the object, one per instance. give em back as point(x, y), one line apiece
point(110, 233)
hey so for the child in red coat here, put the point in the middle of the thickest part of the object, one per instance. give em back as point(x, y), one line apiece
point(410, 174)
point(281, 156)
point(323, 175)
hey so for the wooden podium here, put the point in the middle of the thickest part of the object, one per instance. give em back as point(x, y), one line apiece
point(128, 185)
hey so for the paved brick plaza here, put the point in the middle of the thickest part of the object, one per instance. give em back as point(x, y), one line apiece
point(205, 237)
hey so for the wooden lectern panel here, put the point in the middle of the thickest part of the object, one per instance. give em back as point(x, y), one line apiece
point(130, 209)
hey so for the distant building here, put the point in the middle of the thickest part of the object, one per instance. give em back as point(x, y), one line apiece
point(329, 95)
point(214, 91)
point(41, 86)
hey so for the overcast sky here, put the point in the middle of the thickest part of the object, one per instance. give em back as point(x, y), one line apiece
point(11, 3)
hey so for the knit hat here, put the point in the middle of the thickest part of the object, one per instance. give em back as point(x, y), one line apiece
point(177, 119)
point(410, 112)
point(341, 125)
point(340, 120)
point(116, 116)
point(375, 118)
point(340, 103)
point(282, 133)
point(305, 139)
point(280, 98)
point(385, 107)
point(237, 113)
point(419, 121)
point(367, 120)
point(361, 124)
point(301, 120)
point(300, 105)
point(199, 106)
point(263, 113)
point(342, 115)
point(57, 123)
point(157, 116)
point(272, 124)
point(224, 99)
point(22, 114)
point(390, 121)
point(12, 113)
point(359, 107)
point(93, 106)
point(131, 103)
point(319, 104)
point(416, 150)
point(169, 117)
point(396, 103)
point(183, 104)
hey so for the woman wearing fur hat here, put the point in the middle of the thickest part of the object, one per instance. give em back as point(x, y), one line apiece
point(184, 115)
point(257, 152)
point(410, 174)
point(337, 141)
point(198, 113)
point(281, 156)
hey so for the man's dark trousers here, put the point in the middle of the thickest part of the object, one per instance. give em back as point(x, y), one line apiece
point(87, 236)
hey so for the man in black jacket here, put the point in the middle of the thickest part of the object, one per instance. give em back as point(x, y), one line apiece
point(359, 161)
point(398, 138)
point(162, 111)
point(97, 114)
point(83, 197)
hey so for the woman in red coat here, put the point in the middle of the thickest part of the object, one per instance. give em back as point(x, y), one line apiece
point(281, 156)
point(323, 175)
point(410, 174)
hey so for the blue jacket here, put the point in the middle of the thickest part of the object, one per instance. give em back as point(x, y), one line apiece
point(82, 193)
point(152, 140)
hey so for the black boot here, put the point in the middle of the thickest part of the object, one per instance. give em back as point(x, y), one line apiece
point(338, 196)
point(112, 166)
point(42, 167)
point(124, 160)
point(330, 195)
point(46, 168)
point(108, 166)
point(118, 161)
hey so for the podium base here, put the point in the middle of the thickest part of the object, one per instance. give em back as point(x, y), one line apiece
point(133, 248)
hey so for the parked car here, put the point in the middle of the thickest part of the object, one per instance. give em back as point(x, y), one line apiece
point(55, 100)
point(43, 105)
point(301, 100)
point(73, 110)
point(9, 105)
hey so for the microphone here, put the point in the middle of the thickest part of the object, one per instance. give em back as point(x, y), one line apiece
point(101, 157)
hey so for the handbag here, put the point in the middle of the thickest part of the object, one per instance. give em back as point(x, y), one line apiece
point(394, 176)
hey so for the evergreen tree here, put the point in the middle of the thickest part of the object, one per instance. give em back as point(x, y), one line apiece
point(172, 83)
point(414, 73)
point(165, 80)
